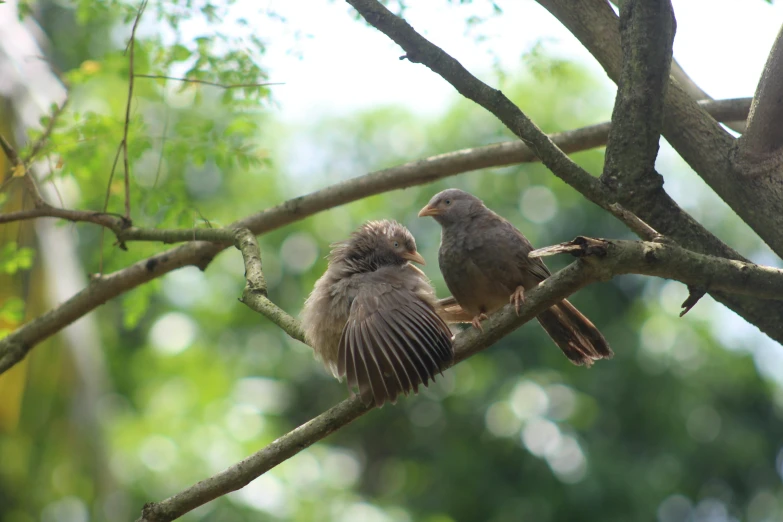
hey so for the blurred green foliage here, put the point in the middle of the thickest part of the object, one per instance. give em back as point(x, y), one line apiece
point(684, 424)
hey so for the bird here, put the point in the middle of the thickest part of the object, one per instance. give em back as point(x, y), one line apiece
point(373, 315)
point(485, 264)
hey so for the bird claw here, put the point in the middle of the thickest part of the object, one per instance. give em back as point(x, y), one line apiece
point(518, 298)
point(476, 322)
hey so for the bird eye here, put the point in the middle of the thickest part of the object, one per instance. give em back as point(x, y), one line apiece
point(448, 202)
point(396, 244)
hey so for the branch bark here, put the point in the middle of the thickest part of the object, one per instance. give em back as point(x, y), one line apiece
point(255, 294)
point(761, 147)
point(647, 34)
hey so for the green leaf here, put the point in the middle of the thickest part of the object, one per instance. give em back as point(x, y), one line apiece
point(14, 259)
point(180, 53)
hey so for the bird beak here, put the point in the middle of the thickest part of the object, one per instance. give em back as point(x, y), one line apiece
point(415, 257)
point(428, 211)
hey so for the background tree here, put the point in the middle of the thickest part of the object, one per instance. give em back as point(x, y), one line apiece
point(675, 427)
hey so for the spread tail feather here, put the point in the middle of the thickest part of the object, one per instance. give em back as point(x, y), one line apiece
point(574, 334)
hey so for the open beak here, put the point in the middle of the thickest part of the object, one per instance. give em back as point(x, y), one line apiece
point(415, 257)
point(428, 211)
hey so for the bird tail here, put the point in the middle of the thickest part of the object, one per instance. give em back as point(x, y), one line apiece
point(450, 311)
point(574, 334)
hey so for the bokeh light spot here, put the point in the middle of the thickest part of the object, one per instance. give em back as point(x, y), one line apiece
point(298, 252)
point(172, 333)
point(538, 204)
point(703, 424)
point(501, 421)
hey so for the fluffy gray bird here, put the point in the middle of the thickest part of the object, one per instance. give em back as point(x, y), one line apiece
point(484, 261)
point(372, 316)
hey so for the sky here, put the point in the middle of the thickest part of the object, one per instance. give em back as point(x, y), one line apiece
point(344, 64)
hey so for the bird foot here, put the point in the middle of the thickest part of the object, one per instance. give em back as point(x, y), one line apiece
point(518, 297)
point(476, 322)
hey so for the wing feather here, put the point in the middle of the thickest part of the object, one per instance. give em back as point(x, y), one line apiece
point(392, 342)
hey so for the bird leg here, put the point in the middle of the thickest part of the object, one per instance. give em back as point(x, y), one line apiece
point(476, 322)
point(518, 297)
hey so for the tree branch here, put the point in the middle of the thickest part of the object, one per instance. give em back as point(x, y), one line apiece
point(647, 34)
point(467, 343)
point(698, 138)
point(697, 93)
point(611, 258)
point(761, 147)
point(126, 125)
point(110, 221)
point(595, 25)
point(255, 294)
point(602, 259)
point(15, 346)
point(205, 82)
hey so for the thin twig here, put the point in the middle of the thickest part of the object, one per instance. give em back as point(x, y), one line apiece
point(109, 221)
point(124, 143)
point(255, 295)
point(41, 141)
point(632, 221)
point(9, 151)
point(206, 82)
point(106, 204)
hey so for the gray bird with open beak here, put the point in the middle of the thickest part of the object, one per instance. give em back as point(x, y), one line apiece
point(372, 316)
point(484, 261)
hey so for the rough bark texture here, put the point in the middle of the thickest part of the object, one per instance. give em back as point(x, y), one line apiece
point(698, 138)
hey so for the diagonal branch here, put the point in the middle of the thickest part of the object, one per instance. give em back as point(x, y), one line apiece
point(601, 260)
point(420, 50)
point(466, 344)
point(761, 147)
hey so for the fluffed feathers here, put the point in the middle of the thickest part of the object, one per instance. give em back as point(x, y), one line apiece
point(372, 319)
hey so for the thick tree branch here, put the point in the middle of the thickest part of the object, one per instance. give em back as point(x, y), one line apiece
point(669, 261)
point(602, 259)
point(697, 93)
point(761, 147)
point(647, 34)
point(701, 142)
point(15, 346)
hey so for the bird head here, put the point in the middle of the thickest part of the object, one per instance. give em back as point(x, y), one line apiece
point(376, 244)
point(450, 205)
